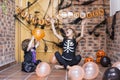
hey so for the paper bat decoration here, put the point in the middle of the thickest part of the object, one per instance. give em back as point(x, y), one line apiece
point(46, 47)
point(88, 2)
point(97, 26)
point(27, 7)
point(60, 44)
point(76, 21)
point(61, 2)
point(113, 27)
point(62, 6)
point(62, 32)
point(78, 34)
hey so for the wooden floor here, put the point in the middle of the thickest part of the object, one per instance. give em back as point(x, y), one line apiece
point(14, 73)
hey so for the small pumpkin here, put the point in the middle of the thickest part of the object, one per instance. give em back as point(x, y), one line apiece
point(100, 53)
point(98, 59)
point(88, 59)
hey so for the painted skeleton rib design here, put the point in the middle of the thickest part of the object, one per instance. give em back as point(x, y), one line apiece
point(68, 46)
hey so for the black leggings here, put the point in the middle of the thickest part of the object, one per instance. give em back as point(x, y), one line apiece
point(64, 62)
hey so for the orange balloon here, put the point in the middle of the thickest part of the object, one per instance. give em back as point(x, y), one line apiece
point(117, 65)
point(91, 70)
point(43, 69)
point(38, 33)
point(76, 73)
point(53, 59)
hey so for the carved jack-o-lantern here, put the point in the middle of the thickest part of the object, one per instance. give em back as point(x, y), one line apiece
point(100, 53)
point(88, 59)
point(98, 59)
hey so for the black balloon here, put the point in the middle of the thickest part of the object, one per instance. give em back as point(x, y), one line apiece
point(112, 73)
point(105, 61)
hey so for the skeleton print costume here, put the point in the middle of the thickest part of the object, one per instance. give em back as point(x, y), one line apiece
point(69, 46)
point(68, 57)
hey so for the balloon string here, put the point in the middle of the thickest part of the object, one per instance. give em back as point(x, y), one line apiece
point(100, 72)
point(46, 78)
point(52, 68)
point(29, 76)
point(66, 78)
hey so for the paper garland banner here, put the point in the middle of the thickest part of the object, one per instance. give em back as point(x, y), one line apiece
point(95, 13)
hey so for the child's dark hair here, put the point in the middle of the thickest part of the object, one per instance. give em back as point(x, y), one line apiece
point(74, 32)
point(25, 44)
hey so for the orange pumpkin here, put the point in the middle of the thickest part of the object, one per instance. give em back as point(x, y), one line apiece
point(38, 33)
point(98, 59)
point(100, 53)
point(88, 59)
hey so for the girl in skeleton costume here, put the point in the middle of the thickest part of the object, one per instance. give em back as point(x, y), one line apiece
point(68, 57)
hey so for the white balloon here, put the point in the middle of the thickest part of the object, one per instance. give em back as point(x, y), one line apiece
point(91, 70)
point(43, 69)
point(76, 73)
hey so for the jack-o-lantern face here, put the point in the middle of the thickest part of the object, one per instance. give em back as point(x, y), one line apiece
point(100, 53)
point(88, 60)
